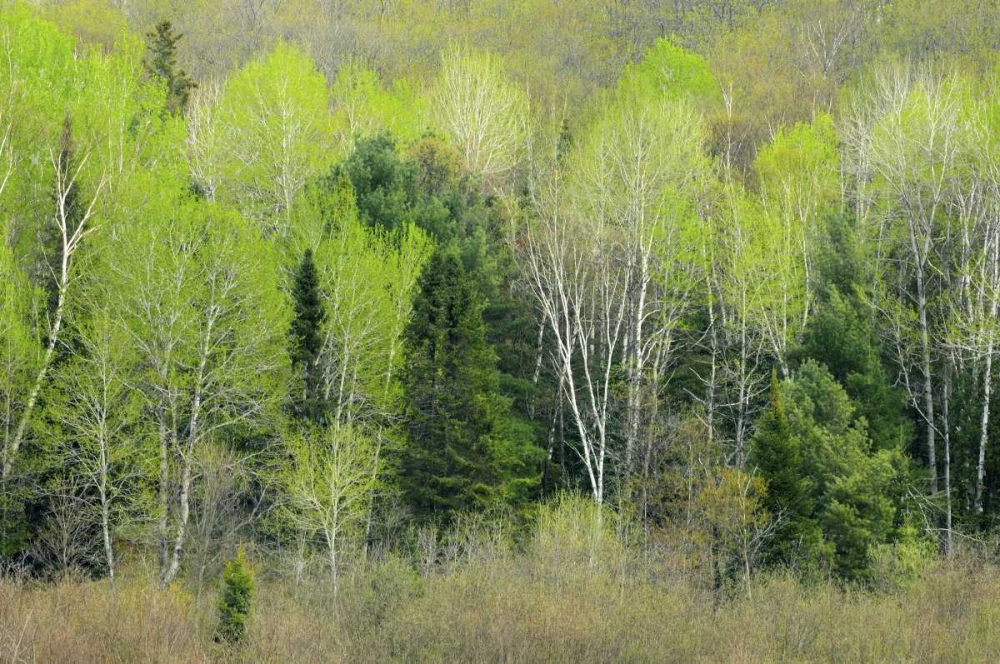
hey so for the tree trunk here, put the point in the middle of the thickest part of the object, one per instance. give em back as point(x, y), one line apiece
point(948, 544)
point(984, 429)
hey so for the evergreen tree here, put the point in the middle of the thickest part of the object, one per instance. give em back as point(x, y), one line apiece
point(235, 599)
point(836, 498)
point(306, 340)
point(776, 454)
point(162, 63)
point(462, 451)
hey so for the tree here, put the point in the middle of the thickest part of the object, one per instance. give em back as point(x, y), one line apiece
point(72, 223)
point(460, 453)
point(236, 599)
point(100, 414)
point(798, 178)
point(607, 260)
point(306, 340)
point(330, 487)
point(776, 455)
point(366, 107)
point(483, 112)
point(197, 290)
point(273, 135)
point(161, 63)
point(836, 497)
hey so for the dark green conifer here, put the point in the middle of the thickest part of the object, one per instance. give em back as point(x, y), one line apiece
point(776, 455)
point(306, 340)
point(161, 63)
point(235, 600)
point(462, 451)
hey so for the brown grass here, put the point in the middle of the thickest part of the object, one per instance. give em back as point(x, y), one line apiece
point(574, 594)
point(512, 609)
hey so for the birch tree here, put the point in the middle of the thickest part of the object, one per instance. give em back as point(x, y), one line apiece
point(606, 260)
point(910, 154)
point(483, 112)
point(99, 411)
point(798, 176)
point(330, 484)
point(73, 223)
point(274, 134)
point(197, 291)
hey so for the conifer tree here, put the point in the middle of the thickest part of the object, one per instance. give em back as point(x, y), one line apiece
point(462, 451)
point(306, 341)
point(162, 63)
point(776, 454)
point(235, 599)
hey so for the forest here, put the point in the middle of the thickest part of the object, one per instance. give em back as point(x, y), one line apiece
point(499, 330)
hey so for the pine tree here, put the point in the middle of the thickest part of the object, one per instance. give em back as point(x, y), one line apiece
point(462, 451)
point(162, 63)
point(306, 341)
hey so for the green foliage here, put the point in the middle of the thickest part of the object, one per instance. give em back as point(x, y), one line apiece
point(383, 181)
point(269, 135)
point(671, 72)
point(365, 107)
point(306, 340)
point(777, 455)
point(838, 499)
point(462, 453)
point(751, 191)
point(840, 335)
point(235, 600)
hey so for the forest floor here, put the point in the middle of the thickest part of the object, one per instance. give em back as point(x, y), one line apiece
point(511, 610)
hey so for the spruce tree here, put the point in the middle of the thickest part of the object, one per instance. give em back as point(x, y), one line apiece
point(462, 451)
point(235, 600)
point(162, 63)
point(306, 340)
point(777, 456)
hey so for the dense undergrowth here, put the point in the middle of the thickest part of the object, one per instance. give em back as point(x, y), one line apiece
point(565, 593)
point(512, 610)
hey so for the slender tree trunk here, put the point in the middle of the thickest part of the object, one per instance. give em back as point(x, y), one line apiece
point(22, 427)
point(948, 544)
point(109, 552)
point(186, 478)
point(925, 343)
point(984, 429)
point(163, 496)
point(182, 520)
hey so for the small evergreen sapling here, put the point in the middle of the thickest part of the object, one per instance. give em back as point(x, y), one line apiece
point(234, 603)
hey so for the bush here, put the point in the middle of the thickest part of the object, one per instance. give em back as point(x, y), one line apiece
point(234, 603)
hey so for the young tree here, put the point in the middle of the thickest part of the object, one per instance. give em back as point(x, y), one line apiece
point(330, 487)
point(236, 599)
point(100, 412)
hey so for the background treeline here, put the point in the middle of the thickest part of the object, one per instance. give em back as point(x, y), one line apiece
point(331, 277)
